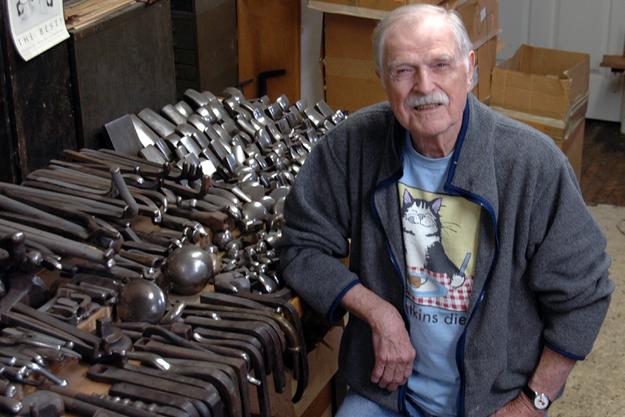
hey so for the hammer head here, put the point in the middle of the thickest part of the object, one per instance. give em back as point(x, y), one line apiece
point(14, 256)
point(43, 403)
point(17, 274)
point(24, 288)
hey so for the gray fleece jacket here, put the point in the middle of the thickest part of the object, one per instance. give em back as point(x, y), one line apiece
point(541, 275)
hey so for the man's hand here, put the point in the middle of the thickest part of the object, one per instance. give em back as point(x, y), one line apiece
point(394, 353)
point(519, 407)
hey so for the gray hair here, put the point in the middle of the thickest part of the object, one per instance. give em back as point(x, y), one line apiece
point(417, 13)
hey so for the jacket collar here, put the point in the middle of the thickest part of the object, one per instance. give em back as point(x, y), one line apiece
point(473, 163)
point(391, 165)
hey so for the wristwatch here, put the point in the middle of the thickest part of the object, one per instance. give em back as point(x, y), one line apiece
point(540, 400)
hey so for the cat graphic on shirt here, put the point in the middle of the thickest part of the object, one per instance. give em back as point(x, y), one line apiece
point(421, 219)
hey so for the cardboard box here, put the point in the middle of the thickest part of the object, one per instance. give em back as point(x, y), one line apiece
point(379, 4)
point(557, 129)
point(548, 90)
point(392, 4)
point(568, 134)
point(350, 79)
point(481, 19)
point(345, 2)
point(485, 60)
point(542, 82)
point(372, 9)
point(573, 147)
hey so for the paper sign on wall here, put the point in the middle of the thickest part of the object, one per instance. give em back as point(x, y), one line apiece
point(36, 25)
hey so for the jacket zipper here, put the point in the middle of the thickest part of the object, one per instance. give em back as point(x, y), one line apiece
point(460, 347)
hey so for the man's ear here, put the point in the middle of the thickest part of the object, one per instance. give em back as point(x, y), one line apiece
point(380, 78)
point(471, 69)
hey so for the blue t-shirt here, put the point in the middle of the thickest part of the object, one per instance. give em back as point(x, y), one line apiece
point(440, 241)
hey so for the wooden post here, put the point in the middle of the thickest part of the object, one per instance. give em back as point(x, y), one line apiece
point(269, 39)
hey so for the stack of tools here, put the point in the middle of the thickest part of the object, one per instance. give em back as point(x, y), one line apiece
point(163, 264)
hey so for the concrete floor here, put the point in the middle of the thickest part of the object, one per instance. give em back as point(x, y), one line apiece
point(596, 387)
point(603, 164)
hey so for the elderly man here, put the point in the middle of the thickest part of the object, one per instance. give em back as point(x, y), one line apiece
point(477, 276)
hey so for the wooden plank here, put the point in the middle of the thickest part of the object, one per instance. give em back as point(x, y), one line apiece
point(9, 163)
point(322, 405)
point(323, 364)
point(38, 119)
point(269, 39)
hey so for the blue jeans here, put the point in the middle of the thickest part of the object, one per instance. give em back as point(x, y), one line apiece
point(357, 405)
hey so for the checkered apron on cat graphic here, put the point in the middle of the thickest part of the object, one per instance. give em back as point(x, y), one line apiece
point(457, 299)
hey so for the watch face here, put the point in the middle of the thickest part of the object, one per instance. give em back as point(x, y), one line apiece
point(541, 402)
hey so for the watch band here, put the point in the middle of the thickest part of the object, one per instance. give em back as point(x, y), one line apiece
point(540, 400)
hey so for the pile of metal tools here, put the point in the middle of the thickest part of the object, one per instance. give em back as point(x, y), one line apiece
point(154, 263)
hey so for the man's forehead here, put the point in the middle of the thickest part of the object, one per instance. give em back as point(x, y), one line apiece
point(420, 52)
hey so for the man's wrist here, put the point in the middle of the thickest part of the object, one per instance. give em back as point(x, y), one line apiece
point(551, 373)
point(381, 313)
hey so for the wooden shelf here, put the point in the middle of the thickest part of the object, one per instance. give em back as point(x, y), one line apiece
point(615, 62)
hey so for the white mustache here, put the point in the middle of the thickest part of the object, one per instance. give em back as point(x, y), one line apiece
point(437, 97)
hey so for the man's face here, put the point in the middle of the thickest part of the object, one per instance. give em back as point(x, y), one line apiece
point(425, 78)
